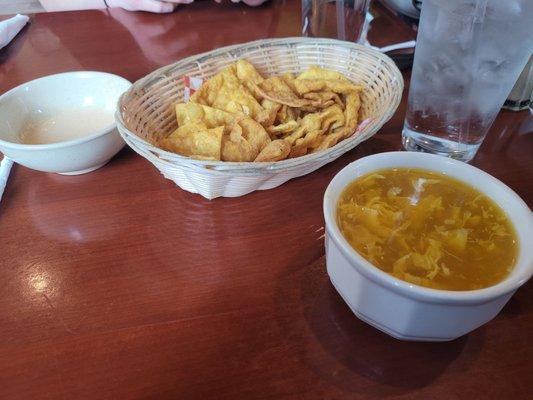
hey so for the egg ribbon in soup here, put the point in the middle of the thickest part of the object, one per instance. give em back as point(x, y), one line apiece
point(428, 229)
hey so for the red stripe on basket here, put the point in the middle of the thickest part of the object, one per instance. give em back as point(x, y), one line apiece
point(191, 86)
point(363, 124)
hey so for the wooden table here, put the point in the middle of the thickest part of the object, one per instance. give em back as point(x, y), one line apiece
point(119, 285)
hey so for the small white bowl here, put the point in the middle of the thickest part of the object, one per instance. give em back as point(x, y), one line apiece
point(64, 94)
point(410, 312)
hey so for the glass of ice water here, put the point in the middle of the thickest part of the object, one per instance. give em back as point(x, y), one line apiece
point(337, 19)
point(469, 54)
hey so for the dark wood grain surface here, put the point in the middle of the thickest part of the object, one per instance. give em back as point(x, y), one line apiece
point(119, 285)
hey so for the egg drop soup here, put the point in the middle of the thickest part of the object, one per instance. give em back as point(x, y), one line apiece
point(428, 229)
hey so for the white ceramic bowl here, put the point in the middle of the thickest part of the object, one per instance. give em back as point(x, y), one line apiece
point(408, 311)
point(53, 95)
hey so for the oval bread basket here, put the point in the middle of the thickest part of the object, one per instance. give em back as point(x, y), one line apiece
point(147, 109)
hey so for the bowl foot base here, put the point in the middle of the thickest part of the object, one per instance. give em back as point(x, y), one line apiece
point(83, 171)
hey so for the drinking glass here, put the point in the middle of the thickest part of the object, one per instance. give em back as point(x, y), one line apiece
point(338, 19)
point(469, 54)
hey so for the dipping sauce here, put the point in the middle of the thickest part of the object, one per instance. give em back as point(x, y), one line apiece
point(428, 229)
point(65, 125)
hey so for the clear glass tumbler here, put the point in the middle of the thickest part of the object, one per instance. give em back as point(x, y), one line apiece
point(469, 54)
point(337, 19)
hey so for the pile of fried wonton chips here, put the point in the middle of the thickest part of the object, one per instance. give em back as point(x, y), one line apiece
point(238, 115)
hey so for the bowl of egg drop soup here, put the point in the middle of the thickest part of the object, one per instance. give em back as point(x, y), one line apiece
point(62, 123)
point(424, 247)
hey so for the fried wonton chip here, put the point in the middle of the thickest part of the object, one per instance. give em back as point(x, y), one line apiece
point(276, 150)
point(303, 86)
point(289, 78)
point(246, 137)
point(247, 72)
point(276, 90)
point(322, 104)
point(315, 72)
point(329, 141)
point(226, 92)
point(351, 113)
point(298, 151)
point(273, 109)
point(282, 115)
point(333, 117)
point(236, 147)
point(287, 114)
point(309, 123)
point(248, 76)
point(286, 127)
point(323, 98)
point(314, 125)
point(210, 89)
point(195, 140)
point(243, 137)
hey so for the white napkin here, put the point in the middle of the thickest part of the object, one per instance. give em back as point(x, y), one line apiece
point(10, 27)
point(5, 167)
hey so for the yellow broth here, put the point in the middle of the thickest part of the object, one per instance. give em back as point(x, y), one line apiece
point(428, 229)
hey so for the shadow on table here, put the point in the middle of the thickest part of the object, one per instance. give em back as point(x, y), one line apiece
point(394, 366)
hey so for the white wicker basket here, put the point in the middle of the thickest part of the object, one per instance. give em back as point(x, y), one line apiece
point(146, 110)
